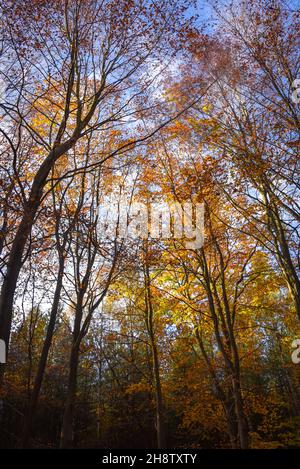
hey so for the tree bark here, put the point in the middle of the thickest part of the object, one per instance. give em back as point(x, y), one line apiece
point(29, 416)
point(160, 422)
point(239, 410)
point(66, 440)
point(15, 258)
point(160, 417)
point(67, 425)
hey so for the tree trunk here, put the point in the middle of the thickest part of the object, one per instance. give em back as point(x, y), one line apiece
point(227, 401)
point(67, 425)
point(160, 417)
point(15, 258)
point(66, 440)
point(240, 414)
point(160, 422)
point(10, 281)
point(29, 416)
point(231, 421)
point(277, 231)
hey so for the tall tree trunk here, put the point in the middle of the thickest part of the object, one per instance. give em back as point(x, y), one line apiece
point(29, 416)
point(10, 280)
point(160, 417)
point(160, 421)
point(282, 249)
point(226, 400)
point(16, 254)
point(231, 420)
point(240, 414)
point(66, 440)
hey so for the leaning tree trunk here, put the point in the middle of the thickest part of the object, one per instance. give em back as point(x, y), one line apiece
point(283, 254)
point(10, 281)
point(29, 416)
point(240, 414)
point(66, 440)
point(18, 246)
